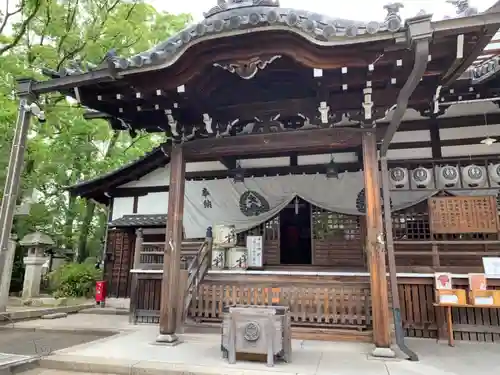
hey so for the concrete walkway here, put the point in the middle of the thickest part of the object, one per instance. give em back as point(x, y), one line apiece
point(133, 352)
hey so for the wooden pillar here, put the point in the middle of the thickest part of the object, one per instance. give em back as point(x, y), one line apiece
point(173, 240)
point(374, 244)
point(134, 276)
point(435, 137)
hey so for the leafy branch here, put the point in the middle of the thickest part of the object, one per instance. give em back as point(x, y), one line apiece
point(24, 24)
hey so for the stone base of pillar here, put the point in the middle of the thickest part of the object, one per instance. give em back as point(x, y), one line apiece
point(383, 353)
point(167, 339)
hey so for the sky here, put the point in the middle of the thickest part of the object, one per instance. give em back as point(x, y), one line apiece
point(358, 10)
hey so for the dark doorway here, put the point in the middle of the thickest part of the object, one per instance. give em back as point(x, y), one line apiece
point(295, 233)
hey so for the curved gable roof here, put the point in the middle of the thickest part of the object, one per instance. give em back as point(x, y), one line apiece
point(96, 187)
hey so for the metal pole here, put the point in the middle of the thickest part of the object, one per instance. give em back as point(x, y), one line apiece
point(393, 278)
point(14, 171)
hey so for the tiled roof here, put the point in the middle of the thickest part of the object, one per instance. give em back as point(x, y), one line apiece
point(231, 16)
point(139, 221)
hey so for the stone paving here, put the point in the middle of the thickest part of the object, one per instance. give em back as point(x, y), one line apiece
point(42, 342)
point(6, 358)
point(133, 352)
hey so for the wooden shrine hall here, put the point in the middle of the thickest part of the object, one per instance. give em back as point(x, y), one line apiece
point(296, 127)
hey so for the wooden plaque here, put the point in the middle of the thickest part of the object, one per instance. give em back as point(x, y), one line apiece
point(463, 214)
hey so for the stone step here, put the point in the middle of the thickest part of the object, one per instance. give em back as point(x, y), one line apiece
point(56, 315)
point(105, 311)
point(97, 365)
point(45, 371)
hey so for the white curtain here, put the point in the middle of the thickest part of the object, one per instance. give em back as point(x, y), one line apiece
point(256, 200)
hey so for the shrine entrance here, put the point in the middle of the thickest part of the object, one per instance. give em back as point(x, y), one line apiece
point(295, 229)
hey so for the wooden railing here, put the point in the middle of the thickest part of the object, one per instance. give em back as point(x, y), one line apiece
point(318, 303)
point(149, 256)
point(458, 256)
point(315, 302)
point(196, 272)
point(422, 319)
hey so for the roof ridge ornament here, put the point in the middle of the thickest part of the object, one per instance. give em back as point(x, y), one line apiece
point(223, 5)
point(463, 8)
point(393, 20)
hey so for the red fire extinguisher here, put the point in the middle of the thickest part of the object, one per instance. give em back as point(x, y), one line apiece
point(100, 293)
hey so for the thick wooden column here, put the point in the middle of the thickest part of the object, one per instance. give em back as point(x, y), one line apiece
point(375, 250)
point(173, 241)
point(139, 238)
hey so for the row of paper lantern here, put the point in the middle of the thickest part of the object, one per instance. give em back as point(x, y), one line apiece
point(447, 176)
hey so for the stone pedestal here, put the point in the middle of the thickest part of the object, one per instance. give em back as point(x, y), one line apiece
point(6, 274)
point(33, 275)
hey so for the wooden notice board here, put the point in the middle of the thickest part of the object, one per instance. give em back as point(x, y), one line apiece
point(463, 214)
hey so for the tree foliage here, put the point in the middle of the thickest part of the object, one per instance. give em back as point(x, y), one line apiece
point(36, 34)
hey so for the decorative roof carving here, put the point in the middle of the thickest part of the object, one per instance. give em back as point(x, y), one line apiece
point(463, 8)
point(247, 69)
point(485, 70)
point(393, 20)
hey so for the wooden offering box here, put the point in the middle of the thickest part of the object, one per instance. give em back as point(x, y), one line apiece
point(451, 297)
point(484, 297)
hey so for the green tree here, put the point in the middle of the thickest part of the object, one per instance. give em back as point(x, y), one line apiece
point(37, 34)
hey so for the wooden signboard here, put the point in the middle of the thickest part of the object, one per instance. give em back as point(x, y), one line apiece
point(255, 251)
point(463, 214)
point(443, 280)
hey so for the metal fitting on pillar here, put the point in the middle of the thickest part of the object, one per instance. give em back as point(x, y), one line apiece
point(368, 103)
point(436, 99)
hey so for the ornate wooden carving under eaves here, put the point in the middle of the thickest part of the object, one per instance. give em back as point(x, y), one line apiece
point(455, 215)
point(247, 69)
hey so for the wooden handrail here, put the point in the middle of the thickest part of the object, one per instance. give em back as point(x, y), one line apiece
point(197, 269)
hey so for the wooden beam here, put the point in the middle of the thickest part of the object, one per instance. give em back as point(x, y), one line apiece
point(296, 141)
point(169, 304)
point(374, 246)
point(228, 162)
point(71, 81)
point(437, 145)
point(444, 123)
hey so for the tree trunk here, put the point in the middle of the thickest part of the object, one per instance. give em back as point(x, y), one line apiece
point(82, 251)
point(68, 224)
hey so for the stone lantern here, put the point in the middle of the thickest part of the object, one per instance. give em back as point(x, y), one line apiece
point(37, 244)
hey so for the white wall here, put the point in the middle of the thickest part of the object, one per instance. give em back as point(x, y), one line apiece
point(150, 204)
point(122, 206)
point(153, 203)
point(159, 177)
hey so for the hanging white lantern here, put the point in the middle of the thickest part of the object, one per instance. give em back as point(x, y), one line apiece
point(421, 177)
point(398, 177)
point(474, 175)
point(449, 176)
point(494, 171)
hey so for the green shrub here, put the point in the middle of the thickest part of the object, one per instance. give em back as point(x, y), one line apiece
point(74, 280)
